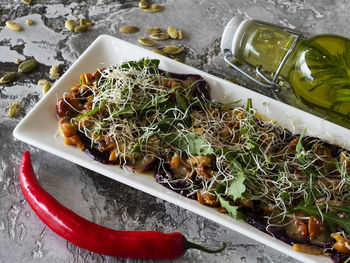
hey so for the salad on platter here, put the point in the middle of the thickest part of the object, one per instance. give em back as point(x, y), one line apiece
point(228, 156)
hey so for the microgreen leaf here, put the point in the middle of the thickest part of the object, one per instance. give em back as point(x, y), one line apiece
point(299, 146)
point(151, 64)
point(180, 102)
point(237, 187)
point(231, 209)
point(189, 143)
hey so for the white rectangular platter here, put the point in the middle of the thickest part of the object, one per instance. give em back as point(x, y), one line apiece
point(39, 128)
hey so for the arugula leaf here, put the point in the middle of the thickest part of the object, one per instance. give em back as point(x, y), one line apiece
point(189, 143)
point(312, 194)
point(299, 146)
point(180, 102)
point(237, 187)
point(136, 148)
point(231, 209)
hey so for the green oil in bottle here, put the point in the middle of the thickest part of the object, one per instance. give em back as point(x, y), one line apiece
point(320, 77)
point(318, 69)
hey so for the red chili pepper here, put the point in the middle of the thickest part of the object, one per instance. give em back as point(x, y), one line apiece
point(96, 238)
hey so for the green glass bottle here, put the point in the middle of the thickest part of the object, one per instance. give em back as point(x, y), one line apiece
point(317, 68)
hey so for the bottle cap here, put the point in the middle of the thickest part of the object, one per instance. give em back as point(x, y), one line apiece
point(232, 34)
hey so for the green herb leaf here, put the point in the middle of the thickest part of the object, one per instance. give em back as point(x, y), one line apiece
point(189, 143)
point(231, 209)
point(180, 102)
point(152, 64)
point(237, 187)
point(299, 146)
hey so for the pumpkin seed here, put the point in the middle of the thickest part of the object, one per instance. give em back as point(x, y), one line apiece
point(85, 22)
point(70, 24)
point(53, 70)
point(231, 80)
point(29, 22)
point(54, 76)
point(27, 2)
point(178, 60)
point(143, 4)
point(13, 26)
point(42, 82)
point(153, 30)
point(27, 66)
point(153, 8)
point(146, 41)
point(172, 50)
point(159, 36)
point(159, 52)
point(47, 87)
point(8, 77)
point(81, 28)
point(172, 32)
point(14, 109)
point(18, 60)
point(180, 34)
point(129, 29)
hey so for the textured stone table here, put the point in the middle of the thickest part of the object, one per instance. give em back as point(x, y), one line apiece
point(23, 236)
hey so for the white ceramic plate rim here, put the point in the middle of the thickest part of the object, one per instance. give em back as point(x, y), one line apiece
point(39, 129)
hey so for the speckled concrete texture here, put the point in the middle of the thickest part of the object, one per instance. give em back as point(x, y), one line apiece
point(24, 238)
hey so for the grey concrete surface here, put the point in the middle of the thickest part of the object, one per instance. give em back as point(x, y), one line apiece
point(23, 237)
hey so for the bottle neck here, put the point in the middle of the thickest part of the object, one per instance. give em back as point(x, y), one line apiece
point(266, 46)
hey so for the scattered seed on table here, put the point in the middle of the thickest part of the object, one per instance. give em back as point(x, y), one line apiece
point(29, 22)
point(172, 50)
point(70, 24)
point(54, 76)
point(143, 4)
point(53, 70)
point(172, 32)
point(159, 36)
point(129, 29)
point(86, 22)
point(179, 34)
point(42, 82)
point(27, 66)
point(159, 52)
point(178, 60)
point(153, 8)
point(27, 2)
point(146, 41)
point(153, 30)
point(81, 28)
point(14, 109)
point(13, 26)
point(46, 87)
point(8, 77)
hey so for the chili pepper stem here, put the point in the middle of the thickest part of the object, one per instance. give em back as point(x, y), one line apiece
point(190, 245)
